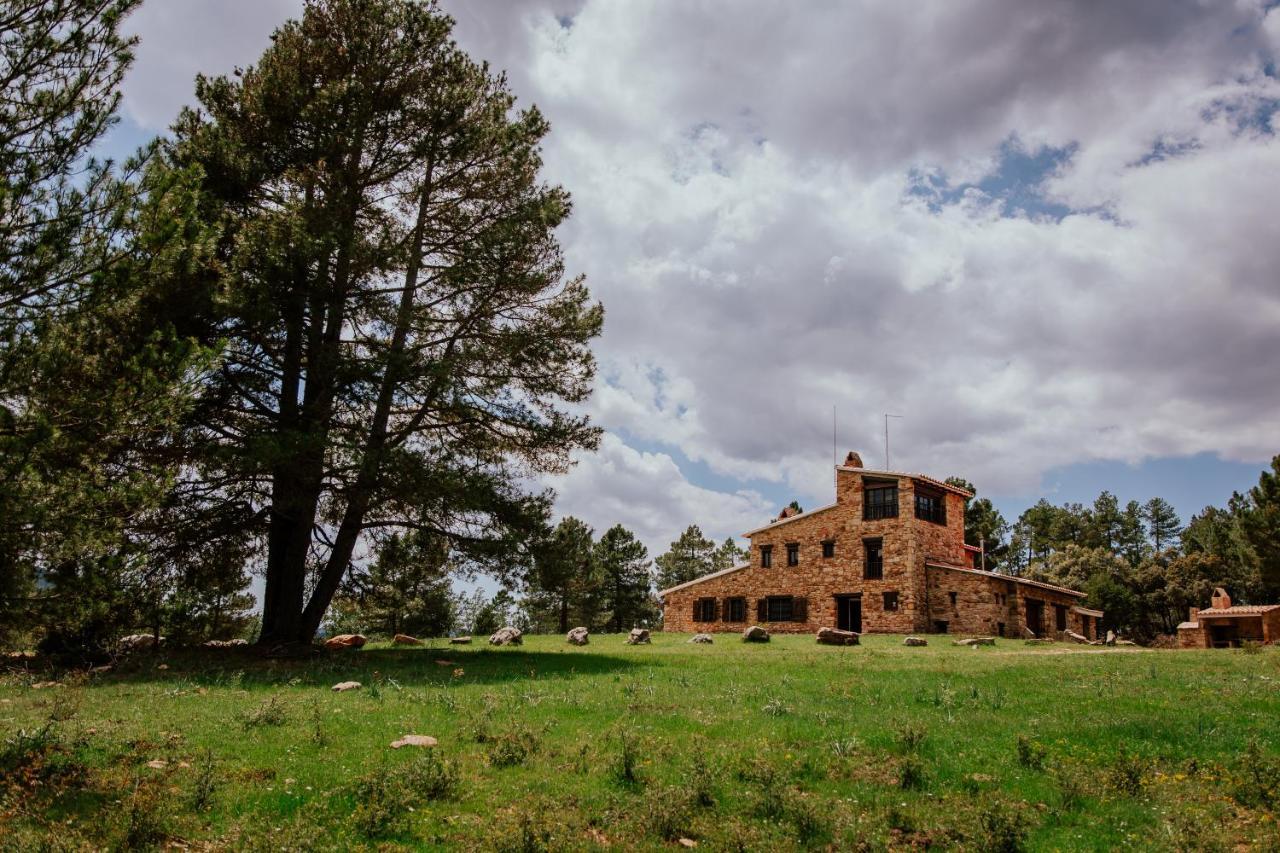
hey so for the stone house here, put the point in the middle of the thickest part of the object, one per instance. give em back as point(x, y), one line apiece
point(1224, 625)
point(888, 556)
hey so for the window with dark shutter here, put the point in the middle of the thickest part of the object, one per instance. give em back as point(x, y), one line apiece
point(735, 610)
point(799, 610)
point(890, 601)
point(880, 501)
point(828, 549)
point(873, 567)
point(780, 608)
point(704, 610)
point(762, 610)
point(793, 554)
point(766, 556)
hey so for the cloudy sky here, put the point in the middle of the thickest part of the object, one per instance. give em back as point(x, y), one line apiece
point(1045, 234)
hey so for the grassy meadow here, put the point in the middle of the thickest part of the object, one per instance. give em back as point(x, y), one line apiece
point(787, 745)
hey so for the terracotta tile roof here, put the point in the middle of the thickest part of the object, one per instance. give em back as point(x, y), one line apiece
point(939, 564)
point(1085, 611)
point(1238, 610)
point(706, 577)
point(939, 483)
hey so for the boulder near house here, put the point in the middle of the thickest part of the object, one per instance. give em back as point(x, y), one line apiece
point(888, 556)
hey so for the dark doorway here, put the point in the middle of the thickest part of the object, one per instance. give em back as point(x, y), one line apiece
point(1035, 616)
point(849, 613)
point(1224, 636)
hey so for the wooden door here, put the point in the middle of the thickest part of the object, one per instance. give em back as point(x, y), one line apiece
point(1035, 616)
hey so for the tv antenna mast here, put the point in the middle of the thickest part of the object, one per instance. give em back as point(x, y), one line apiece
point(886, 439)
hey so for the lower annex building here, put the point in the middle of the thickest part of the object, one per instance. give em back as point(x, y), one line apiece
point(888, 556)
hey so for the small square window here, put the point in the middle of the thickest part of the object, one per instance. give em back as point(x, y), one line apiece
point(890, 601)
point(828, 549)
point(793, 554)
point(766, 556)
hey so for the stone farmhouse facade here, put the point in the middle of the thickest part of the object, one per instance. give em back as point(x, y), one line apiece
point(1223, 625)
point(888, 556)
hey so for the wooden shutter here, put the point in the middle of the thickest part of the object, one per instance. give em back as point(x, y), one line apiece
point(762, 609)
point(697, 610)
point(715, 610)
point(799, 610)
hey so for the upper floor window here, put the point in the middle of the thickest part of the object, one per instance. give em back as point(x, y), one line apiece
point(931, 508)
point(828, 549)
point(880, 501)
point(704, 610)
point(873, 568)
point(890, 601)
point(766, 556)
point(793, 554)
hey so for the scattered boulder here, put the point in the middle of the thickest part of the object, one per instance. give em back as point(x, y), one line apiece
point(701, 638)
point(138, 642)
point(1039, 641)
point(157, 764)
point(1073, 636)
point(1111, 638)
point(688, 842)
point(41, 685)
point(225, 644)
point(1027, 633)
point(837, 637)
point(1125, 643)
point(506, 636)
point(344, 686)
point(577, 637)
point(755, 634)
point(974, 642)
point(414, 740)
point(345, 641)
point(405, 640)
point(638, 636)
point(444, 662)
point(915, 641)
point(460, 641)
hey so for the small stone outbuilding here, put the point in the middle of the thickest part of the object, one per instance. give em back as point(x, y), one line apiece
point(1223, 625)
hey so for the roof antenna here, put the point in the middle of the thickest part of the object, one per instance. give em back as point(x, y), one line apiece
point(835, 456)
point(886, 439)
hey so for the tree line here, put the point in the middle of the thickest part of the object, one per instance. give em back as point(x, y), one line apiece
point(325, 317)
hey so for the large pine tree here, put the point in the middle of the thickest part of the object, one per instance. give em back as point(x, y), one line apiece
point(399, 328)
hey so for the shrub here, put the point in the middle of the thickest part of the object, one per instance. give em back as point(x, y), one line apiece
point(1127, 774)
point(512, 747)
point(667, 813)
point(271, 712)
point(1250, 647)
point(811, 826)
point(205, 784)
point(1257, 778)
point(911, 774)
point(1001, 828)
point(775, 707)
point(384, 799)
point(702, 781)
point(910, 738)
point(1031, 753)
point(143, 827)
point(627, 760)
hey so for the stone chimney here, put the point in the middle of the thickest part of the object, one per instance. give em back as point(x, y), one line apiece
point(853, 460)
point(1220, 600)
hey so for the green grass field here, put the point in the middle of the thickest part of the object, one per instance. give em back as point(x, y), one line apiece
point(787, 745)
